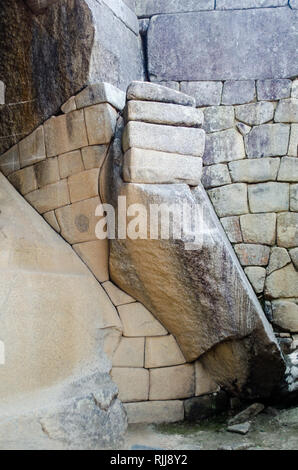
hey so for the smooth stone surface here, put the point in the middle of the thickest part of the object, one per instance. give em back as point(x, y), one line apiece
point(171, 383)
point(32, 148)
point(49, 197)
point(145, 91)
point(70, 163)
point(255, 114)
point(268, 197)
point(100, 123)
point(138, 321)
point(101, 93)
point(162, 352)
point(93, 156)
point(24, 180)
point(229, 200)
point(10, 161)
point(275, 89)
point(223, 146)
point(155, 412)
point(83, 185)
point(47, 172)
point(267, 140)
point(95, 255)
point(117, 296)
point(69, 105)
point(254, 170)
point(238, 91)
point(206, 93)
point(130, 353)
point(204, 383)
point(287, 111)
point(125, 377)
point(258, 228)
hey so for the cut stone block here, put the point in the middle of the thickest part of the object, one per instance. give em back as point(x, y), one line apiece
point(294, 197)
point(170, 383)
point(288, 170)
point(182, 140)
point(83, 185)
point(255, 114)
point(205, 93)
point(125, 12)
point(204, 384)
point(239, 4)
point(69, 105)
point(50, 217)
point(117, 296)
point(65, 133)
point(49, 197)
point(138, 321)
point(253, 171)
point(278, 259)
point(267, 140)
point(294, 91)
point(218, 118)
point(229, 200)
point(24, 180)
point(145, 91)
point(163, 113)
point(285, 315)
point(101, 93)
point(10, 161)
point(282, 283)
point(169, 84)
point(287, 230)
point(100, 122)
point(259, 228)
point(162, 351)
point(293, 145)
point(93, 156)
point(32, 148)
point(256, 276)
point(150, 166)
point(238, 91)
point(294, 257)
point(232, 228)
point(268, 197)
point(155, 7)
point(252, 255)
point(287, 111)
point(130, 353)
point(95, 255)
point(243, 128)
point(47, 172)
point(133, 383)
point(275, 89)
point(155, 412)
point(70, 163)
point(223, 146)
point(215, 175)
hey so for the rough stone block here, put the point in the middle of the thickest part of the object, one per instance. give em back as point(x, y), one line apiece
point(138, 321)
point(133, 383)
point(100, 122)
point(288, 170)
point(101, 93)
point(93, 156)
point(47, 172)
point(232, 228)
point(256, 276)
point(294, 197)
point(130, 353)
point(242, 4)
point(24, 180)
point(69, 105)
point(83, 185)
point(258, 228)
point(287, 111)
point(223, 146)
point(218, 118)
point(50, 217)
point(285, 315)
point(155, 7)
point(32, 148)
point(204, 384)
point(215, 175)
point(282, 283)
point(267, 140)
point(170, 383)
point(162, 351)
point(205, 93)
point(70, 163)
point(49, 197)
point(254, 171)
point(95, 255)
point(252, 255)
point(268, 197)
point(278, 259)
point(229, 200)
point(294, 257)
point(155, 412)
point(149, 166)
point(117, 296)
point(293, 145)
point(65, 133)
point(287, 230)
point(275, 89)
point(10, 161)
point(238, 91)
point(182, 140)
point(145, 91)
point(255, 114)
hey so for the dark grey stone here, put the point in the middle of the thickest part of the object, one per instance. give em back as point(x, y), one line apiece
point(145, 8)
point(198, 408)
point(267, 140)
point(238, 92)
point(217, 45)
point(275, 89)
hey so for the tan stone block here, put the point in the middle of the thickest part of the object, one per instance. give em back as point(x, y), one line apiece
point(70, 163)
point(69, 105)
point(117, 296)
point(130, 353)
point(138, 321)
point(155, 412)
point(65, 133)
point(133, 384)
point(204, 382)
point(50, 217)
point(24, 180)
point(162, 351)
point(49, 197)
point(83, 185)
point(93, 156)
point(95, 255)
point(47, 172)
point(78, 221)
point(170, 383)
point(32, 148)
point(10, 161)
point(100, 122)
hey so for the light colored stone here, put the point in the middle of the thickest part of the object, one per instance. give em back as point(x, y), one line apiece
point(239, 4)
point(69, 105)
point(278, 259)
point(10, 161)
point(150, 166)
point(101, 93)
point(252, 255)
point(255, 114)
point(229, 200)
point(155, 412)
point(268, 197)
point(162, 351)
point(238, 91)
point(182, 140)
point(138, 321)
point(294, 257)
point(240, 428)
point(215, 175)
point(65, 133)
point(294, 91)
point(155, 7)
point(204, 384)
point(100, 123)
point(282, 283)
point(294, 197)
point(223, 146)
point(205, 93)
point(293, 145)
point(258, 228)
point(50, 217)
point(117, 296)
point(253, 171)
point(169, 84)
point(218, 118)
point(130, 353)
point(256, 276)
point(95, 255)
point(267, 140)
point(145, 91)
point(275, 89)
point(232, 228)
point(133, 383)
point(288, 170)
point(2, 92)
point(47, 172)
point(70, 163)
point(287, 111)
point(170, 383)
point(49, 197)
point(32, 148)
point(125, 12)
point(287, 229)
point(243, 128)
point(83, 185)
point(93, 156)
point(285, 315)
point(24, 180)
point(78, 221)
point(163, 113)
